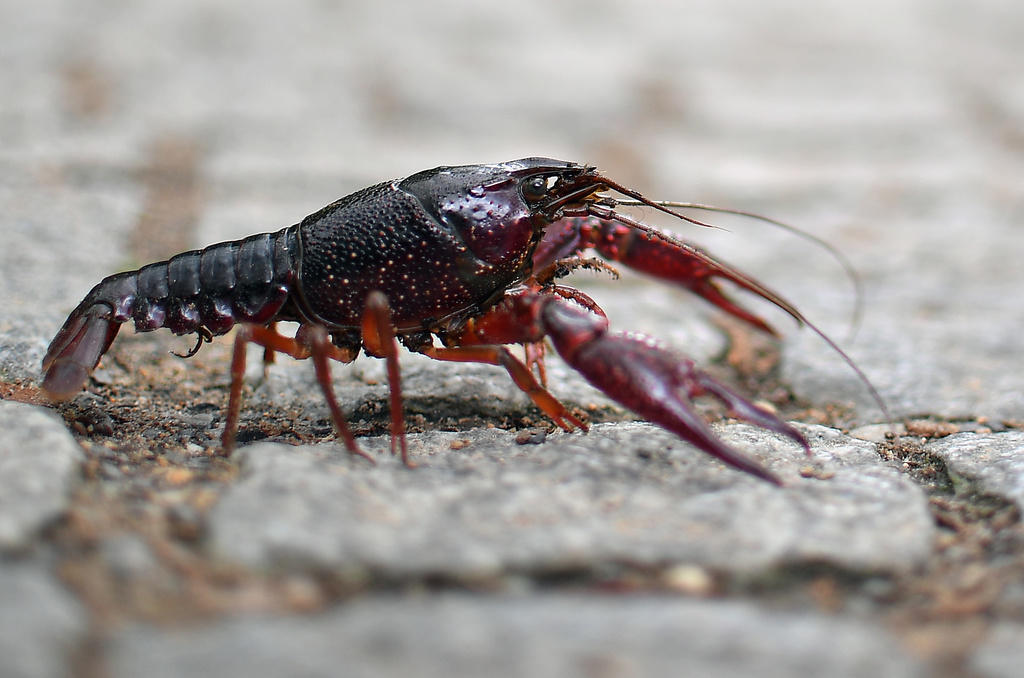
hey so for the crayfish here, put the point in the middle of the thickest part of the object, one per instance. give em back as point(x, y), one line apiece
point(455, 263)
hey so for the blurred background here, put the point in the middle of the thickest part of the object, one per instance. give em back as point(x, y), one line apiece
point(893, 130)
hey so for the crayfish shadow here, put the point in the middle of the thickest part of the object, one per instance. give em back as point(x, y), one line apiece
point(165, 401)
point(435, 396)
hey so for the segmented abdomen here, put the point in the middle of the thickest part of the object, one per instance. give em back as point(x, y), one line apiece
point(240, 281)
point(245, 280)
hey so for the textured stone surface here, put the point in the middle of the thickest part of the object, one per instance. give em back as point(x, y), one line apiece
point(544, 636)
point(58, 242)
point(622, 493)
point(994, 462)
point(39, 462)
point(1001, 654)
point(41, 624)
point(889, 129)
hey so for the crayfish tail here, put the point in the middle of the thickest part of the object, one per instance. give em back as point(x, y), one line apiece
point(76, 350)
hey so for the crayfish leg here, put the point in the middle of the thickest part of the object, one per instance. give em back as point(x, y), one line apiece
point(269, 355)
point(533, 354)
point(311, 341)
point(379, 339)
point(520, 373)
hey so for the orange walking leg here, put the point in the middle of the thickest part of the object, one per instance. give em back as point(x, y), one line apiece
point(311, 341)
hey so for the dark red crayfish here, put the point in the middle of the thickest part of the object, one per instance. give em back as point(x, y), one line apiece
point(468, 255)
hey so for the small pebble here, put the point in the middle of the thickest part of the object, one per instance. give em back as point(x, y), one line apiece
point(531, 437)
point(820, 474)
point(689, 579)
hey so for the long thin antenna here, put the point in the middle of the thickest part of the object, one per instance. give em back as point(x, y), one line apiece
point(844, 262)
point(670, 207)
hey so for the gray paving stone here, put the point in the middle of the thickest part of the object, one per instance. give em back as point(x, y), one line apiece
point(555, 635)
point(627, 493)
point(58, 243)
point(39, 463)
point(1001, 654)
point(993, 462)
point(41, 625)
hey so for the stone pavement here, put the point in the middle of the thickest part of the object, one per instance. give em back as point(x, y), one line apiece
point(893, 131)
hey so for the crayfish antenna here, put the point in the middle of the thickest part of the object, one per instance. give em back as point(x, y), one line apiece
point(660, 205)
point(844, 262)
point(851, 273)
point(875, 395)
point(752, 285)
point(708, 290)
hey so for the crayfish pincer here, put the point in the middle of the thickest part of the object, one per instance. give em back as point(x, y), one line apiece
point(455, 263)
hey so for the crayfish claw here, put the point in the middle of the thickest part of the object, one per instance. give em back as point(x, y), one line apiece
point(663, 256)
point(655, 383)
point(744, 410)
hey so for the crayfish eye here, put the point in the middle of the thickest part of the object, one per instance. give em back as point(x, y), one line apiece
point(535, 188)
